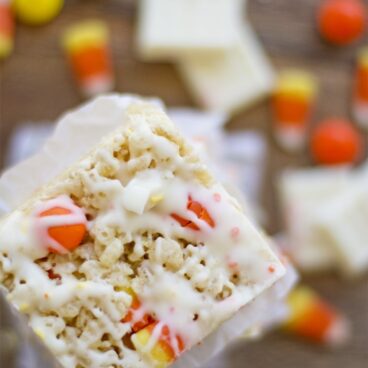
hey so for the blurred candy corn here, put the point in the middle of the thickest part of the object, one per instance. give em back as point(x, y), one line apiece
point(201, 213)
point(159, 343)
point(360, 97)
point(293, 102)
point(314, 319)
point(6, 29)
point(136, 316)
point(154, 339)
point(87, 49)
point(37, 12)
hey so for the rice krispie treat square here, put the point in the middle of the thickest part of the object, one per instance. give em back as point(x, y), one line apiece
point(134, 254)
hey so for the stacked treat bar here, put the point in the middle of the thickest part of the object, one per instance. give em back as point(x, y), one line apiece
point(133, 254)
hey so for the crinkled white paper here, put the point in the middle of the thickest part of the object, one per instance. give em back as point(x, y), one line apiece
point(27, 140)
point(75, 134)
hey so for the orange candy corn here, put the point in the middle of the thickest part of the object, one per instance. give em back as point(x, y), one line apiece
point(314, 319)
point(200, 212)
point(6, 29)
point(163, 351)
point(143, 321)
point(360, 96)
point(87, 49)
point(165, 347)
point(68, 236)
point(61, 225)
point(185, 222)
point(292, 106)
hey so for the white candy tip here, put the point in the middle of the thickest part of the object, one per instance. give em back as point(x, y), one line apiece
point(360, 112)
point(97, 85)
point(290, 139)
point(339, 333)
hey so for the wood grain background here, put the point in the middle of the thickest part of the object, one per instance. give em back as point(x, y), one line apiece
point(35, 85)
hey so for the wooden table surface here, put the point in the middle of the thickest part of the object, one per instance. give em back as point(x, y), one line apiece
point(35, 85)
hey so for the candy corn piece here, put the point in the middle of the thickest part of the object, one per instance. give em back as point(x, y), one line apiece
point(200, 212)
point(37, 12)
point(360, 97)
point(159, 343)
point(60, 224)
point(314, 319)
point(87, 49)
point(136, 315)
point(6, 29)
point(292, 107)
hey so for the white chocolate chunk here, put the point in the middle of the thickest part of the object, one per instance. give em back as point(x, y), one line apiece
point(344, 222)
point(232, 80)
point(303, 195)
point(326, 212)
point(171, 28)
point(140, 190)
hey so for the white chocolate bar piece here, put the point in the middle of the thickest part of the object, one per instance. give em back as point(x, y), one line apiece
point(344, 222)
point(304, 195)
point(326, 212)
point(171, 28)
point(233, 80)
